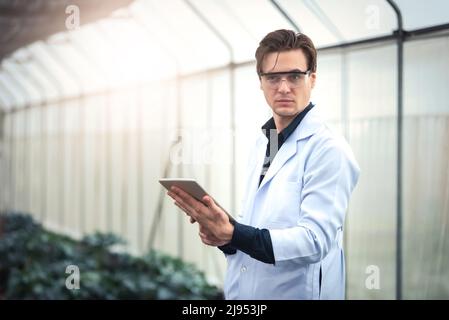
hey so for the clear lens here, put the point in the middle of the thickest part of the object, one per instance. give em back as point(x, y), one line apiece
point(294, 80)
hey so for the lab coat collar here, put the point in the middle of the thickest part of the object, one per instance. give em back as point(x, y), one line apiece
point(311, 124)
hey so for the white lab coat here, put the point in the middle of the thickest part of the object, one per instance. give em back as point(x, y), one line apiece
point(302, 201)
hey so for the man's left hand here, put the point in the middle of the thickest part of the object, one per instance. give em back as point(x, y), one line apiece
point(215, 227)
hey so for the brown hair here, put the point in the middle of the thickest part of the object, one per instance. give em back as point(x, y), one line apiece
point(285, 40)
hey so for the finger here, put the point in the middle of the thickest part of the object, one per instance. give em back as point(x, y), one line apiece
point(186, 211)
point(206, 241)
point(171, 194)
point(203, 235)
point(209, 202)
point(210, 238)
point(180, 201)
point(206, 236)
point(212, 243)
point(187, 208)
point(180, 207)
point(215, 209)
point(188, 199)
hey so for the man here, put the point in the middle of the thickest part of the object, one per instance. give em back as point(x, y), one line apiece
point(287, 241)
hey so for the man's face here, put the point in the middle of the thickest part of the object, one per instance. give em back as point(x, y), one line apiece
point(291, 94)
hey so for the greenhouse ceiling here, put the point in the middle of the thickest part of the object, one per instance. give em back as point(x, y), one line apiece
point(123, 42)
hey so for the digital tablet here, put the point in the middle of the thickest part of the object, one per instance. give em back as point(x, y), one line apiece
point(192, 187)
point(188, 185)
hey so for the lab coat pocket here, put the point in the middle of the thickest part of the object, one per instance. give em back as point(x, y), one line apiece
point(285, 280)
point(284, 206)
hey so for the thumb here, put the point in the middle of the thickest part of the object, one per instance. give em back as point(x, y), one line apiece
point(209, 201)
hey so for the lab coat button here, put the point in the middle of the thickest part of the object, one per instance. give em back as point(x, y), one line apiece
point(243, 269)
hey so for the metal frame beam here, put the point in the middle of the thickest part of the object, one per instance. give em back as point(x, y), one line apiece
point(285, 15)
point(400, 114)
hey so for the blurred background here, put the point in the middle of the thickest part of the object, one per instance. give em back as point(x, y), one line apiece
point(99, 99)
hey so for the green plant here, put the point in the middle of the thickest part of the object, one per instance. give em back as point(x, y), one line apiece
point(33, 263)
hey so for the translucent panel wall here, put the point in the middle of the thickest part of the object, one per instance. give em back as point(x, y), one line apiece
point(359, 98)
point(426, 169)
point(364, 110)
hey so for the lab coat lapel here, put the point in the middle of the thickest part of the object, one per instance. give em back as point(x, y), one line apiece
point(287, 150)
point(308, 126)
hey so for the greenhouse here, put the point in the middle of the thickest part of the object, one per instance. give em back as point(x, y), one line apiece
point(101, 99)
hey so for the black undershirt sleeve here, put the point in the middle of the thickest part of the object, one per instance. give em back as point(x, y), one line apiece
point(253, 241)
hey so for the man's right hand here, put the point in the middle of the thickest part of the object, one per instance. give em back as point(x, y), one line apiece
point(209, 239)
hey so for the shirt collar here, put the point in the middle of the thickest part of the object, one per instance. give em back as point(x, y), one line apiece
point(287, 131)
